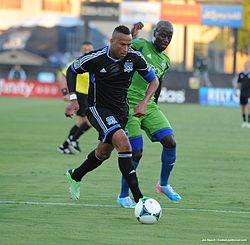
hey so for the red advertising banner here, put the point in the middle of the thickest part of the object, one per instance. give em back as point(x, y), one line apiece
point(29, 89)
point(181, 14)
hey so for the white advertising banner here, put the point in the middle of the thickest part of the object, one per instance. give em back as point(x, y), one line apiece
point(147, 12)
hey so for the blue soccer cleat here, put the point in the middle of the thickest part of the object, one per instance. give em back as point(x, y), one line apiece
point(169, 192)
point(125, 202)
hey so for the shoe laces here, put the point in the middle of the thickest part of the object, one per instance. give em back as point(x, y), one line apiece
point(129, 201)
point(170, 188)
point(128, 198)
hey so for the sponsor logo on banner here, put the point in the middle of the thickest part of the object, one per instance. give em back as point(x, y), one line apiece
point(181, 13)
point(102, 11)
point(218, 97)
point(29, 89)
point(132, 12)
point(172, 96)
point(230, 16)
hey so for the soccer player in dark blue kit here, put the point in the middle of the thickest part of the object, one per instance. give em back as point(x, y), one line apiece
point(243, 82)
point(111, 70)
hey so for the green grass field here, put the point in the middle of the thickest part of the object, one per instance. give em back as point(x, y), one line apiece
point(211, 174)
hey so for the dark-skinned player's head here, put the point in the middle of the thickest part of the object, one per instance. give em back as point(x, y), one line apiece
point(162, 35)
point(120, 42)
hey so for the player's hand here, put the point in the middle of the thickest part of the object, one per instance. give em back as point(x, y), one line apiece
point(236, 92)
point(135, 29)
point(71, 109)
point(66, 97)
point(140, 109)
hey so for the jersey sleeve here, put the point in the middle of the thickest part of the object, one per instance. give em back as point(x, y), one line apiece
point(144, 69)
point(137, 44)
point(83, 64)
point(64, 70)
point(77, 67)
point(239, 79)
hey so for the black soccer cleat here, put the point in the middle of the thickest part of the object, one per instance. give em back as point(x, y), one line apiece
point(74, 144)
point(64, 150)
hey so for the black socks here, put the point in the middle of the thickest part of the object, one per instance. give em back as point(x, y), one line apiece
point(88, 165)
point(128, 172)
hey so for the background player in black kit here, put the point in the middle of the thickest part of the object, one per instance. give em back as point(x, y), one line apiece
point(243, 82)
point(111, 70)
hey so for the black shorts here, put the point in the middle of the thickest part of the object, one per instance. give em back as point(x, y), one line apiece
point(83, 104)
point(244, 100)
point(105, 122)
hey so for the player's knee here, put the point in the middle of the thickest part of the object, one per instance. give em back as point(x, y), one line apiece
point(137, 155)
point(169, 141)
point(121, 142)
point(123, 145)
point(103, 155)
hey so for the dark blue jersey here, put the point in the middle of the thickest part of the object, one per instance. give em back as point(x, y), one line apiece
point(110, 78)
point(244, 80)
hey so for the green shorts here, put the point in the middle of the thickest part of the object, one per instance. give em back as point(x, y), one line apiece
point(153, 121)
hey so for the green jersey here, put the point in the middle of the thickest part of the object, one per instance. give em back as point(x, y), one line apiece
point(160, 63)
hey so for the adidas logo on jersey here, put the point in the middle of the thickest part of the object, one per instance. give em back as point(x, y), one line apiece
point(103, 70)
point(149, 56)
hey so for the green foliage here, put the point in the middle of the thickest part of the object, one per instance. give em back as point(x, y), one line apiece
point(211, 174)
point(244, 32)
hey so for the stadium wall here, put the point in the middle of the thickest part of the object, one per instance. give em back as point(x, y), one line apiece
point(176, 88)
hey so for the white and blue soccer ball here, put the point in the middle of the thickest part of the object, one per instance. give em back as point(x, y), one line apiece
point(148, 211)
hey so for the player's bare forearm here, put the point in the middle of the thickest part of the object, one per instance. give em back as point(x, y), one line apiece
point(140, 109)
point(152, 87)
point(72, 108)
point(62, 81)
point(63, 86)
point(135, 29)
point(158, 91)
point(236, 87)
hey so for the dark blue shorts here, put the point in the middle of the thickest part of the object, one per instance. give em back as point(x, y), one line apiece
point(244, 100)
point(105, 122)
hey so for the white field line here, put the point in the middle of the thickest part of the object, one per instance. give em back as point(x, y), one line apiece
point(116, 206)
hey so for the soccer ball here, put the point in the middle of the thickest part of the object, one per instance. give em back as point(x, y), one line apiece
point(148, 211)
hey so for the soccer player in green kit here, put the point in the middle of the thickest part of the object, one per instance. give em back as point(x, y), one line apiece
point(154, 122)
